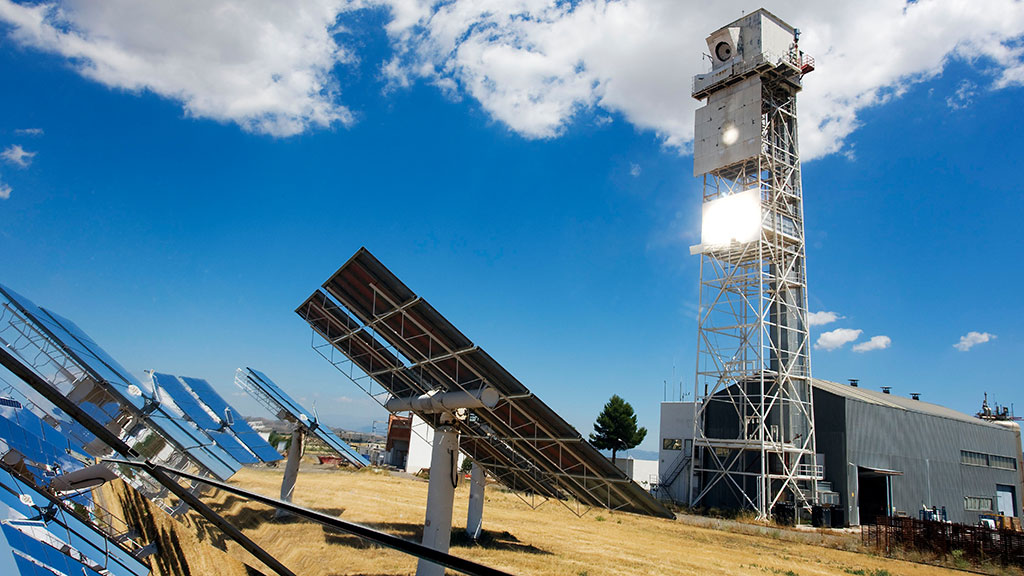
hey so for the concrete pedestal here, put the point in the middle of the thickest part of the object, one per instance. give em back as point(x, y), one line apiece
point(444, 476)
point(475, 517)
point(291, 468)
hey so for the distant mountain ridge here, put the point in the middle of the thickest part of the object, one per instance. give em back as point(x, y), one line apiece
point(634, 454)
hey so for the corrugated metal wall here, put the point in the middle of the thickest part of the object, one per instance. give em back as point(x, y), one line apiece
point(830, 440)
point(924, 447)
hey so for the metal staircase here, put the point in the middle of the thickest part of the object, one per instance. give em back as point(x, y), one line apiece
point(682, 462)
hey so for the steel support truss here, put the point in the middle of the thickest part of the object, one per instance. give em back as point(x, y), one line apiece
point(520, 452)
point(754, 426)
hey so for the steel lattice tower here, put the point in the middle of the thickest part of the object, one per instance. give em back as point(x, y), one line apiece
point(753, 441)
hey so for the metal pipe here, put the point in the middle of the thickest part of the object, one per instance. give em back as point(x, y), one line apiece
point(475, 516)
point(444, 476)
point(291, 468)
point(434, 402)
point(121, 447)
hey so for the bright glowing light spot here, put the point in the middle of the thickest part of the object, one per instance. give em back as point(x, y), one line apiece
point(730, 134)
point(303, 417)
point(134, 390)
point(734, 218)
point(26, 500)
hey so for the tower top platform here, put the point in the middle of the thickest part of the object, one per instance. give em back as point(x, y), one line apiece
point(757, 43)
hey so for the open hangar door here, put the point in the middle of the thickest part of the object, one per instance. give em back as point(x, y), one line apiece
point(874, 493)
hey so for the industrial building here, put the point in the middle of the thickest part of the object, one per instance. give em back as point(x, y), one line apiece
point(881, 454)
point(397, 444)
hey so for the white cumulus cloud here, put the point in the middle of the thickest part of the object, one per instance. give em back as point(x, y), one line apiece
point(534, 66)
point(5, 191)
point(18, 156)
point(874, 343)
point(822, 318)
point(265, 65)
point(837, 338)
point(972, 339)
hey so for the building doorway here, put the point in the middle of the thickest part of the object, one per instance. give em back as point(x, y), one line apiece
point(1006, 500)
point(875, 493)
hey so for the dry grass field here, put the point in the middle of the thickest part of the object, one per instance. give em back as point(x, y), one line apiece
point(549, 540)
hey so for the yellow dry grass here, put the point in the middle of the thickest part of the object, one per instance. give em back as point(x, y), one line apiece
point(185, 548)
point(549, 540)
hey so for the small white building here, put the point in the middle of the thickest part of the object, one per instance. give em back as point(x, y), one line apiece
point(643, 472)
point(421, 443)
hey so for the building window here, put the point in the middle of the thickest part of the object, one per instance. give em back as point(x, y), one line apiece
point(973, 458)
point(1002, 462)
point(988, 460)
point(672, 443)
point(977, 504)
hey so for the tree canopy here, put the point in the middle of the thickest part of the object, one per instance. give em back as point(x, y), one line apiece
point(616, 428)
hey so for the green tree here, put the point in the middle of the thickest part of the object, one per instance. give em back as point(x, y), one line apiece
point(615, 428)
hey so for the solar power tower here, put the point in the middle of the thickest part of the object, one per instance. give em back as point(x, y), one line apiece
point(754, 428)
point(406, 355)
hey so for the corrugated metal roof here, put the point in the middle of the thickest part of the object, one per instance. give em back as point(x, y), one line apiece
point(898, 402)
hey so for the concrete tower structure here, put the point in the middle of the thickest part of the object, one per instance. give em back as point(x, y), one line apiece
point(753, 443)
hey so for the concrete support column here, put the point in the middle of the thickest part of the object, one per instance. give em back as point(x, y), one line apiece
point(291, 468)
point(444, 475)
point(475, 518)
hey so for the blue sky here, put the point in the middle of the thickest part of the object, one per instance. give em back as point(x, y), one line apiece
point(537, 192)
point(183, 244)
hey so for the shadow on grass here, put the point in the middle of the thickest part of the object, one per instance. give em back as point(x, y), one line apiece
point(405, 531)
point(414, 533)
point(293, 519)
point(252, 515)
point(495, 541)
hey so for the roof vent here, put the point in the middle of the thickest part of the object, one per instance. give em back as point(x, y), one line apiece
point(854, 382)
point(915, 395)
point(886, 389)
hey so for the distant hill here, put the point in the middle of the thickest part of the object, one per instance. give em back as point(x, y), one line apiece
point(634, 454)
point(284, 427)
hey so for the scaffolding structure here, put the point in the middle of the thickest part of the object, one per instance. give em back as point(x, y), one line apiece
point(754, 427)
